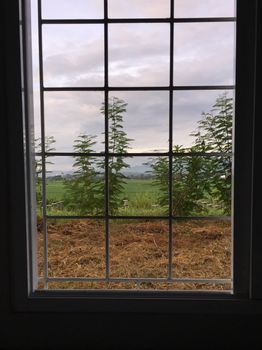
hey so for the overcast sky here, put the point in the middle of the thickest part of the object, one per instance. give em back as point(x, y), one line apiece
point(138, 56)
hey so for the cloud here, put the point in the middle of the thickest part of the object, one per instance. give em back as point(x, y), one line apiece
point(204, 8)
point(72, 54)
point(69, 114)
point(138, 8)
point(204, 54)
point(188, 108)
point(138, 56)
point(72, 9)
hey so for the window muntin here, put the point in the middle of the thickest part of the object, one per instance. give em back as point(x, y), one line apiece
point(170, 87)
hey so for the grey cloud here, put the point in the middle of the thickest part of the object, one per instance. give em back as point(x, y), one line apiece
point(204, 8)
point(140, 58)
point(139, 8)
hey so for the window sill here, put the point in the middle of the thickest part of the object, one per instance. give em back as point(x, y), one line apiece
point(126, 302)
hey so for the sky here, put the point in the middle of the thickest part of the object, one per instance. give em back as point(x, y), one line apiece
point(73, 56)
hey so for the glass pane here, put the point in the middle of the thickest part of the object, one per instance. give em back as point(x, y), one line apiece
point(138, 249)
point(71, 114)
point(139, 54)
point(204, 54)
point(78, 9)
point(76, 248)
point(138, 8)
point(202, 186)
point(191, 109)
point(143, 116)
point(73, 55)
point(135, 187)
point(204, 8)
point(74, 185)
point(202, 249)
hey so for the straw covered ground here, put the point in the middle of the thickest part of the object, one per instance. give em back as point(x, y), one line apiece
point(76, 248)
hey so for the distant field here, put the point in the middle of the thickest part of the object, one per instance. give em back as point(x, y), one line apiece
point(141, 195)
point(133, 187)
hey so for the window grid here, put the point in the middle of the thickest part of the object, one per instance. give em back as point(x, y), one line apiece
point(170, 154)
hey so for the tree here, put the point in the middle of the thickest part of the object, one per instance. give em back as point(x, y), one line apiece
point(86, 191)
point(215, 131)
point(82, 192)
point(188, 182)
point(49, 142)
point(195, 177)
point(118, 142)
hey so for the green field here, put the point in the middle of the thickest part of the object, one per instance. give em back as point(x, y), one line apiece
point(139, 197)
point(56, 189)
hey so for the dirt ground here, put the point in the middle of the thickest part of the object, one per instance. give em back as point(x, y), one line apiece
point(138, 249)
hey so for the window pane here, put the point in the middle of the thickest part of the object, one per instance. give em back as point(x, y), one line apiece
point(204, 54)
point(202, 249)
point(76, 248)
point(204, 8)
point(202, 186)
point(138, 8)
point(138, 54)
point(75, 185)
point(138, 249)
point(73, 55)
point(191, 109)
point(71, 114)
point(72, 9)
point(135, 187)
point(144, 119)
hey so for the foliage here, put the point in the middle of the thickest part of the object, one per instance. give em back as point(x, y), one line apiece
point(86, 192)
point(194, 177)
point(189, 183)
point(49, 142)
point(118, 143)
point(215, 132)
point(82, 193)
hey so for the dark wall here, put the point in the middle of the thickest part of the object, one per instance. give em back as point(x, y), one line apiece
point(123, 330)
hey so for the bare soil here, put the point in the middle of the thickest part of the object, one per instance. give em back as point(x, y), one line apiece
point(138, 249)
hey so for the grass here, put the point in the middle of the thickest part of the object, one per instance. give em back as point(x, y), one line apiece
point(140, 197)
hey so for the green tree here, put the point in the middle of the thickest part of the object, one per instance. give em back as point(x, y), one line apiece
point(194, 178)
point(49, 147)
point(85, 193)
point(215, 132)
point(188, 182)
point(82, 192)
point(118, 142)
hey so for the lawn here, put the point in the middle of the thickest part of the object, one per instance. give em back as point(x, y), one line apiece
point(56, 189)
point(139, 197)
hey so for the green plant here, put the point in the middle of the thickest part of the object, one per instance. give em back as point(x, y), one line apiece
point(197, 178)
point(215, 133)
point(82, 192)
point(49, 142)
point(118, 142)
point(188, 182)
point(86, 191)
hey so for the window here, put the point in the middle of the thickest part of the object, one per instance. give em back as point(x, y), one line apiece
point(71, 318)
point(241, 221)
point(133, 183)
